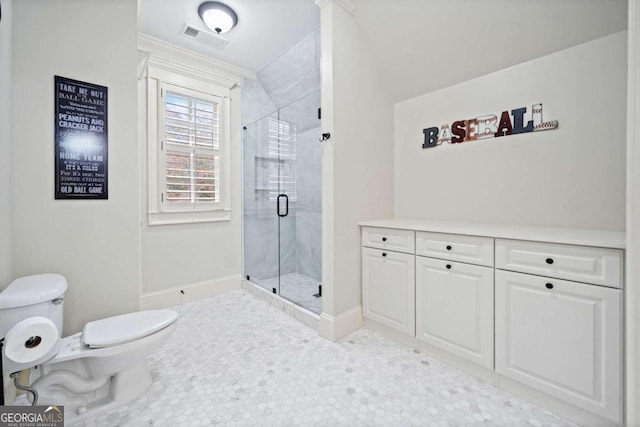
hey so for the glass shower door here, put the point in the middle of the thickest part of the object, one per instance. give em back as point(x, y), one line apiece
point(282, 193)
point(261, 191)
point(300, 182)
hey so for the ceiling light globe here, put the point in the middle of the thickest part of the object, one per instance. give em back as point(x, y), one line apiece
point(217, 16)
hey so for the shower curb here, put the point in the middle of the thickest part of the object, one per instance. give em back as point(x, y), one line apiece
point(301, 314)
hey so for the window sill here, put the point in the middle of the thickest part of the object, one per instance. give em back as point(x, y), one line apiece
point(191, 217)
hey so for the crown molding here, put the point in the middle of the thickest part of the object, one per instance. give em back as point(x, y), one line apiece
point(347, 5)
point(166, 54)
point(155, 65)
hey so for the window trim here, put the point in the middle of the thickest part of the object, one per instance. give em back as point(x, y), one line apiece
point(156, 78)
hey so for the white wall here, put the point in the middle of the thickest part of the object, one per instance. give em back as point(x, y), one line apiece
point(357, 161)
point(5, 146)
point(95, 244)
point(632, 279)
point(199, 259)
point(573, 176)
point(178, 256)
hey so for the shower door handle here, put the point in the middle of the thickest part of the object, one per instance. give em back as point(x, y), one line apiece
point(286, 212)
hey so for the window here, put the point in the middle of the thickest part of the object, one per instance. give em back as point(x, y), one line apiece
point(191, 150)
point(188, 147)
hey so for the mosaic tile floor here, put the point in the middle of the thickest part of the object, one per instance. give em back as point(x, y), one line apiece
point(236, 361)
point(297, 288)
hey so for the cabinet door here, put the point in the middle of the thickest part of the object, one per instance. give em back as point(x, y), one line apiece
point(562, 338)
point(388, 291)
point(454, 308)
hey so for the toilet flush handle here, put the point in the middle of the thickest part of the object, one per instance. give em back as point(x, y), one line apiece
point(57, 301)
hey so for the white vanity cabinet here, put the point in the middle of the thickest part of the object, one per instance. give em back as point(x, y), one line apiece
point(454, 308)
point(537, 311)
point(561, 337)
point(388, 289)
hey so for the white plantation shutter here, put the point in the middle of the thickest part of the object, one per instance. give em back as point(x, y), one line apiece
point(188, 142)
point(190, 149)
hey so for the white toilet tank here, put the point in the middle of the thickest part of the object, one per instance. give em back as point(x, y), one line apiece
point(37, 295)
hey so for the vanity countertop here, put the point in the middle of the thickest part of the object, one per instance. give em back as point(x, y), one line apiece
point(568, 236)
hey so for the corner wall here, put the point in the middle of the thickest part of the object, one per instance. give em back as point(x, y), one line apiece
point(573, 176)
point(357, 162)
point(6, 274)
point(94, 244)
point(632, 277)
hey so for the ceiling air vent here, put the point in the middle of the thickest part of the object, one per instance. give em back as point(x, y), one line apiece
point(204, 37)
point(190, 31)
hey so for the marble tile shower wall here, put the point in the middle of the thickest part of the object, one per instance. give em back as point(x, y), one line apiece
point(289, 90)
point(256, 103)
point(309, 206)
point(293, 76)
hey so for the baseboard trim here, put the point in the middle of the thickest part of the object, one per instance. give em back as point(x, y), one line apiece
point(189, 292)
point(335, 327)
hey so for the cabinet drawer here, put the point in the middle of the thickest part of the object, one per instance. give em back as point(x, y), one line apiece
point(388, 288)
point(455, 247)
point(598, 266)
point(389, 239)
point(454, 308)
point(561, 337)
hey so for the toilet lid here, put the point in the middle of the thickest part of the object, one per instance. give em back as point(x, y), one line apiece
point(126, 327)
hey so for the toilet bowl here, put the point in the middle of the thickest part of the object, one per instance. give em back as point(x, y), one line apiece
point(94, 370)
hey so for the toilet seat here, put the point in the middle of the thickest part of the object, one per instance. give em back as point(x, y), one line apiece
point(126, 327)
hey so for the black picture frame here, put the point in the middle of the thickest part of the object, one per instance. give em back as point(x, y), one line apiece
point(81, 140)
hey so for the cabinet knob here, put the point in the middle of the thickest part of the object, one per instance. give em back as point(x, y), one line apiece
point(384, 239)
point(549, 260)
point(384, 254)
point(448, 247)
point(549, 285)
point(448, 266)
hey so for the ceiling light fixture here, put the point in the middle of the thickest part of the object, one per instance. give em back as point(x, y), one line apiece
point(217, 16)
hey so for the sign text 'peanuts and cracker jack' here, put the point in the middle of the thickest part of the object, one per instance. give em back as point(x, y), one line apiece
point(489, 126)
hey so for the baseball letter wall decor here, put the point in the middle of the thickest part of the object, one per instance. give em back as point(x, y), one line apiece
point(488, 126)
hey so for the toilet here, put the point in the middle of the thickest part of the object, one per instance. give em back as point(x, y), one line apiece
point(91, 371)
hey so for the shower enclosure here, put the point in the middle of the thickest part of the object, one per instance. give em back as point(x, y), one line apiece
point(282, 202)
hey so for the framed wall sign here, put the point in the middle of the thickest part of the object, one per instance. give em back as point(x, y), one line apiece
point(81, 140)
